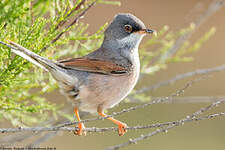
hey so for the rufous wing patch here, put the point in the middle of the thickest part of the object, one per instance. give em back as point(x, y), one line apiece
point(94, 65)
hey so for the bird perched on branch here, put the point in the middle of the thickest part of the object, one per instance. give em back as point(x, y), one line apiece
point(103, 78)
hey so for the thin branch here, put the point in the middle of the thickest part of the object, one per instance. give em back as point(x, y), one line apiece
point(12, 139)
point(71, 24)
point(207, 108)
point(183, 100)
point(181, 122)
point(10, 46)
point(94, 129)
point(61, 23)
point(180, 77)
point(173, 124)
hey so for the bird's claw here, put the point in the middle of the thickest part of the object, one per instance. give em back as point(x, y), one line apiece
point(81, 130)
point(122, 129)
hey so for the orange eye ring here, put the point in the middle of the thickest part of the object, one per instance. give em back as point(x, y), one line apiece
point(128, 28)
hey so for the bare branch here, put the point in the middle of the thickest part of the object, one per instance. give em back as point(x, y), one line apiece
point(180, 77)
point(184, 100)
point(12, 139)
point(196, 99)
point(94, 129)
point(173, 124)
point(181, 122)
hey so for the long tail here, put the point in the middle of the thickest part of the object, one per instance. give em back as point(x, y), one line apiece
point(56, 69)
point(34, 58)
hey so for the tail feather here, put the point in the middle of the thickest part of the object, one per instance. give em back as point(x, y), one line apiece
point(56, 69)
point(21, 54)
point(33, 57)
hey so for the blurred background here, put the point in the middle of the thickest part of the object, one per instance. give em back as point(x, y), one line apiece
point(155, 14)
point(204, 135)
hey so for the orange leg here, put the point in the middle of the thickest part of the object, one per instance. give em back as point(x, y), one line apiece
point(121, 126)
point(81, 127)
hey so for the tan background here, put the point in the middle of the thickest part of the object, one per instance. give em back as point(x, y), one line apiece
point(205, 135)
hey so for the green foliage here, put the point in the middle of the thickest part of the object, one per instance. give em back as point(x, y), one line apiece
point(164, 43)
point(23, 85)
point(36, 26)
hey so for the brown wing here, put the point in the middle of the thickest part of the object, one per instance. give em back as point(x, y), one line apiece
point(94, 65)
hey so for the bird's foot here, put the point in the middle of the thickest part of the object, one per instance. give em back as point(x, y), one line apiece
point(81, 130)
point(122, 129)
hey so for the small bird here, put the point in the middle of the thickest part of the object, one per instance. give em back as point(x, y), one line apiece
point(104, 77)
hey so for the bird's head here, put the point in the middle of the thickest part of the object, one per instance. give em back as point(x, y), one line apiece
point(126, 30)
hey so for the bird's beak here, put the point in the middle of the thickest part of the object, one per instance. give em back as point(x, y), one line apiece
point(147, 31)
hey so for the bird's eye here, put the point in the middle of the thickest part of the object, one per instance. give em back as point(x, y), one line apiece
point(128, 28)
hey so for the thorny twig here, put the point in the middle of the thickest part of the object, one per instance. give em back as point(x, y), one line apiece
point(49, 135)
point(94, 129)
point(190, 118)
